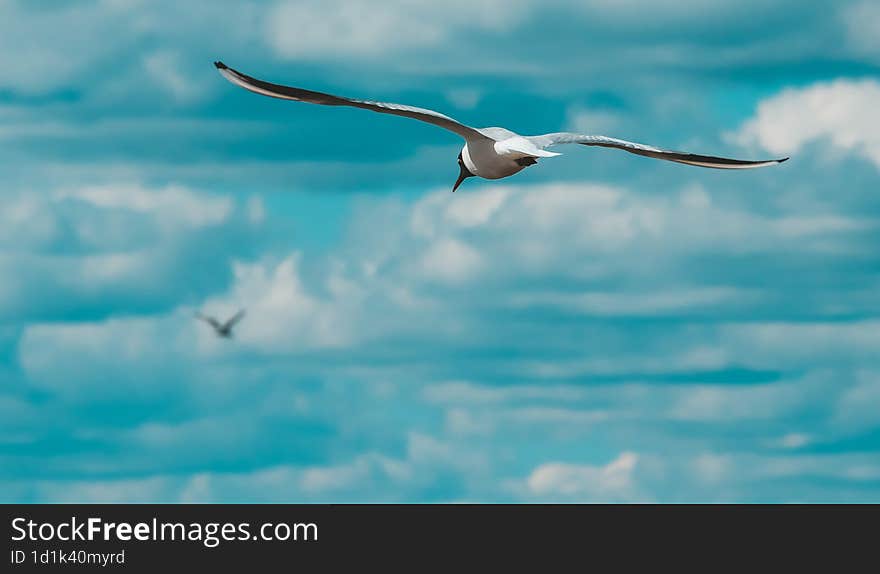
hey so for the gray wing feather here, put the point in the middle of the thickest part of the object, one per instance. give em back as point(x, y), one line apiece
point(301, 95)
point(497, 134)
point(209, 320)
point(547, 140)
point(235, 319)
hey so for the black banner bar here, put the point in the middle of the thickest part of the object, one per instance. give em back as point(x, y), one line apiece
point(157, 537)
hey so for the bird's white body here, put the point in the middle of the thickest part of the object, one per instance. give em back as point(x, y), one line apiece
point(489, 153)
point(495, 155)
point(482, 158)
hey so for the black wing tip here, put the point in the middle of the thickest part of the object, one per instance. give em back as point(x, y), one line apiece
point(783, 160)
point(220, 65)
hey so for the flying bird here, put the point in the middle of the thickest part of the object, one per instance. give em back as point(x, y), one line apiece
point(490, 153)
point(223, 330)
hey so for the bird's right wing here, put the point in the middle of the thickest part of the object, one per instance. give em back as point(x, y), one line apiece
point(548, 140)
point(301, 95)
point(235, 319)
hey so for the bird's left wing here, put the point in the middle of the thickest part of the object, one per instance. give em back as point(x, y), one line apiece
point(300, 95)
point(548, 140)
point(209, 320)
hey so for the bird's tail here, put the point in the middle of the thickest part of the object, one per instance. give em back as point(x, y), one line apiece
point(521, 147)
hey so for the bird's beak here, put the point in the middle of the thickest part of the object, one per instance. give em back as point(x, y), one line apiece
point(463, 175)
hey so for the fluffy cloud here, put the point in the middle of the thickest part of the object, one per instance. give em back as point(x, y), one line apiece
point(103, 33)
point(862, 20)
point(138, 94)
point(355, 28)
point(341, 350)
point(841, 114)
point(617, 237)
point(611, 482)
point(79, 247)
point(856, 410)
point(112, 360)
point(170, 205)
point(284, 314)
point(381, 285)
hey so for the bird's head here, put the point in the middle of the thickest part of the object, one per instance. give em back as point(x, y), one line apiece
point(463, 174)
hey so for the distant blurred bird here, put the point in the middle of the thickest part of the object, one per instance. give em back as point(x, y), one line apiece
point(223, 330)
point(490, 153)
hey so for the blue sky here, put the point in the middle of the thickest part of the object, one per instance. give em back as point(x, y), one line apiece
point(602, 327)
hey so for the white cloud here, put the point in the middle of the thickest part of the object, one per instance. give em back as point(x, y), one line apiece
point(27, 221)
point(313, 29)
point(842, 113)
point(42, 66)
point(706, 477)
point(721, 404)
point(354, 475)
point(471, 210)
point(46, 47)
point(112, 360)
point(638, 303)
point(450, 261)
point(608, 231)
point(465, 393)
point(493, 236)
point(367, 475)
point(256, 209)
point(164, 68)
point(793, 440)
point(172, 202)
point(613, 481)
point(151, 489)
point(73, 247)
point(588, 121)
point(858, 407)
point(711, 468)
point(783, 343)
point(862, 20)
point(283, 314)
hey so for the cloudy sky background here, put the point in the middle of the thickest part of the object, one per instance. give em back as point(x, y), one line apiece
point(601, 328)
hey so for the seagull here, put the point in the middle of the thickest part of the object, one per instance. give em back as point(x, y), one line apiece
point(489, 153)
point(223, 330)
